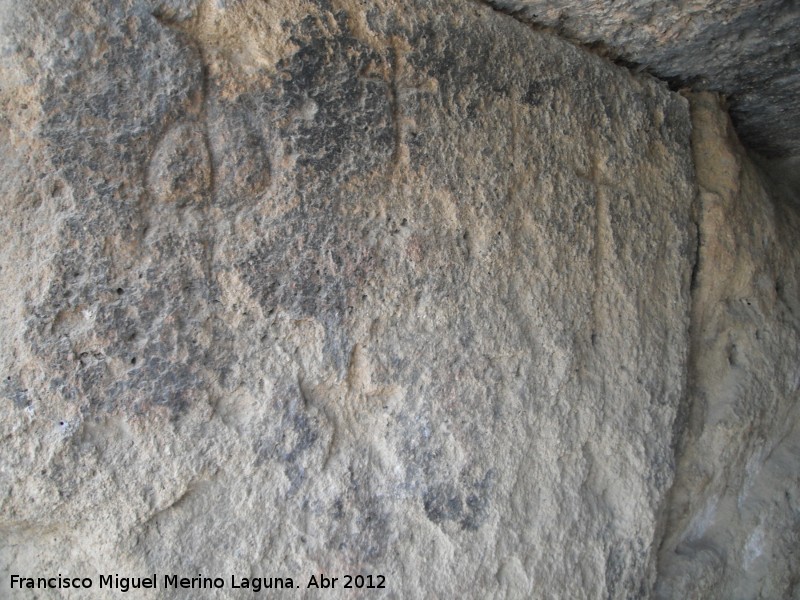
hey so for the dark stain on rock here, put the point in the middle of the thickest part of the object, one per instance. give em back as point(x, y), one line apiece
point(239, 153)
point(467, 503)
point(442, 503)
point(338, 124)
point(623, 569)
point(290, 439)
point(152, 329)
point(462, 61)
point(105, 109)
point(478, 494)
point(15, 393)
point(364, 527)
point(540, 92)
point(311, 263)
point(119, 91)
point(533, 95)
point(615, 569)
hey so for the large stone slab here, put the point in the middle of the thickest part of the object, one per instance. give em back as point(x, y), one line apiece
point(289, 288)
point(749, 50)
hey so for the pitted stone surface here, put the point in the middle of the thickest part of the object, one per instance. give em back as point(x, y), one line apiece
point(293, 288)
point(733, 527)
point(750, 51)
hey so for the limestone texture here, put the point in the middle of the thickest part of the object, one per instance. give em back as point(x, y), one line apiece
point(734, 525)
point(749, 50)
point(402, 289)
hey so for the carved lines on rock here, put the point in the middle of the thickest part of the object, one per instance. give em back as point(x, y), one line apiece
point(213, 152)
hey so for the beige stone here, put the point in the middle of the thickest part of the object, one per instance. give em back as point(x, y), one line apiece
point(401, 289)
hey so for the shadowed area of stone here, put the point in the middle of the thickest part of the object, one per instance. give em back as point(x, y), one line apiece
point(750, 51)
point(403, 289)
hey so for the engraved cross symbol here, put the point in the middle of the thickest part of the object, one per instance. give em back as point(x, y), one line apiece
point(398, 88)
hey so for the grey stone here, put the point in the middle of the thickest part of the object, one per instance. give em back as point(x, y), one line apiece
point(402, 290)
point(733, 529)
point(750, 51)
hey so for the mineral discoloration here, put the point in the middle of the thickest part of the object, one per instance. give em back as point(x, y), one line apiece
point(180, 169)
point(321, 288)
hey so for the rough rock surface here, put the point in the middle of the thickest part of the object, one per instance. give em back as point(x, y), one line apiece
point(748, 50)
point(398, 289)
point(734, 526)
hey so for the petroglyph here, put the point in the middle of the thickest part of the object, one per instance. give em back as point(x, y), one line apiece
point(400, 86)
point(180, 168)
point(225, 154)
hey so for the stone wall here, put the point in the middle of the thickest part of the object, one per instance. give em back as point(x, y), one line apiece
point(733, 529)
point(745, 49)
point(404, 289)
